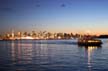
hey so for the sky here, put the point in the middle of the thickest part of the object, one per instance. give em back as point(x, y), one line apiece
point(77, 16)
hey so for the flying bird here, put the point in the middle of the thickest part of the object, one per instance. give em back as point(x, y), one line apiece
point(63, 5)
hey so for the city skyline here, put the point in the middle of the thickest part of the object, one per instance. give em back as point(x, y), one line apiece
point(76, 16)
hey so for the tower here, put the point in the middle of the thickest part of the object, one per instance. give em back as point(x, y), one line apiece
point(13, 35)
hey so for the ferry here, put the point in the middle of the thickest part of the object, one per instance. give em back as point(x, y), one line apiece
point(89, 41)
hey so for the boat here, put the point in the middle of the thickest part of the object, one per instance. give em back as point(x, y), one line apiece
point(89, 41)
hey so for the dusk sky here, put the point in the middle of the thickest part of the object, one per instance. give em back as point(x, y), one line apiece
point(77, 16)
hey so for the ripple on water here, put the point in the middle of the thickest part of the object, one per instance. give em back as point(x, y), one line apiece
point(51, 55)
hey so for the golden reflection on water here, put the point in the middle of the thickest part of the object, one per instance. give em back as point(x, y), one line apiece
point(21, 52)
point(13, 50)
point(30, 53)
point(25, 53)
point(90, 51)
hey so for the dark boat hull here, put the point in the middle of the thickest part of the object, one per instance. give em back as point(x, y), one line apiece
point(89, 44)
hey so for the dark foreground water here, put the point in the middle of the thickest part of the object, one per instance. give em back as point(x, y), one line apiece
point(52, 55)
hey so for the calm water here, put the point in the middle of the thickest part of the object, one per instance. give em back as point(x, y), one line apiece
point(52, 55)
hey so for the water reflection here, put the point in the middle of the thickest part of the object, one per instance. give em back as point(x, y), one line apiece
point(21, 53)
point(90, 52)
point(29, 55)
point(13, 50)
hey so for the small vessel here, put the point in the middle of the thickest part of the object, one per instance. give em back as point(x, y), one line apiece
point(89, 41)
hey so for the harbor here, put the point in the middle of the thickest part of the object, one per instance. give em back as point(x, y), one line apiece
point(53, 35)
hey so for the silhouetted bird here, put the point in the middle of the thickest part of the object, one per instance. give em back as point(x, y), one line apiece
point(63, 5)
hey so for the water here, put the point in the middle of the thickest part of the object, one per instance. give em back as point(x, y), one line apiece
point(52, 55)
